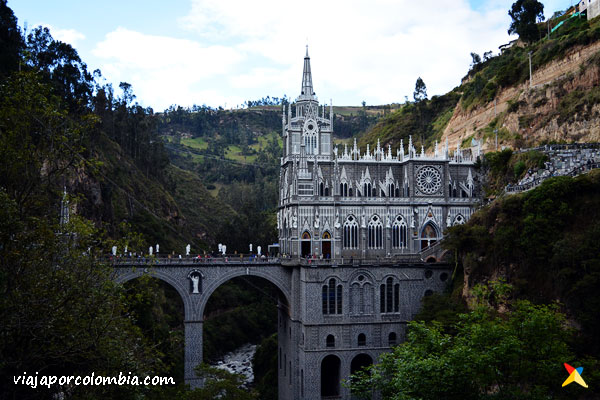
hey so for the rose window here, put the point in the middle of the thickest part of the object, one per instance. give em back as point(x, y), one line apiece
point(429, 180)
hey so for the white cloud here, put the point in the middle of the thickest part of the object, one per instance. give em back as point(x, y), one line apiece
point(70, 36)
point(164, 70)
point(373, 50)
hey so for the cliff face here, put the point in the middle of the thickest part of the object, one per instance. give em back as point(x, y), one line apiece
point(172, 209)
point(562, 105)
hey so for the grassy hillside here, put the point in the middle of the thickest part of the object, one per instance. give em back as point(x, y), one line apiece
point(424, 120)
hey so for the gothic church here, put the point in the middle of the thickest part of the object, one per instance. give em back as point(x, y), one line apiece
point(336, 203)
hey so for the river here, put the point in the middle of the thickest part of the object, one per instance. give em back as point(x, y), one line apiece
point(239, 361)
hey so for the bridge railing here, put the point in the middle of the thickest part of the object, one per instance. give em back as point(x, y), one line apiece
point(174, 261)
point(311, 262)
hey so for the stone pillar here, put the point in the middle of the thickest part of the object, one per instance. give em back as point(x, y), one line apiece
point(193, 352)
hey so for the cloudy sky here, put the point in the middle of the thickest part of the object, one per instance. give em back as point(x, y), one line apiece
point(223, 52)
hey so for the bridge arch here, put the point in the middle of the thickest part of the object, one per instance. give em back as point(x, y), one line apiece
point(266, 274)
point(164, 276)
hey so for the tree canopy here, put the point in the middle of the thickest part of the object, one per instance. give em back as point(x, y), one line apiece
point(514, 356)
point(525, 14)
point(420, 92)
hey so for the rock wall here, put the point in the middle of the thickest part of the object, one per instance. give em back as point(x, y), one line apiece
point(555, 81)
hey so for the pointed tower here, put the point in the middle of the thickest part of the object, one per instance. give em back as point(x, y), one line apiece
point(308, 125)
point(307, 86)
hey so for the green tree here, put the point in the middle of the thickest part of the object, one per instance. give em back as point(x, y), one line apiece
point(475, 59)
point(264, 366)
point(420, 92)
point(525, 14)
point(61, 313)
point(11, 42)
point(514, 356)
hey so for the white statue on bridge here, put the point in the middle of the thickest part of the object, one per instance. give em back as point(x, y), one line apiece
point(114, 250)
point(150, 250)
point(195, 283)
point(188, 248)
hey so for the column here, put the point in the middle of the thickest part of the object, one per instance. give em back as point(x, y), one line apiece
point(193, 352)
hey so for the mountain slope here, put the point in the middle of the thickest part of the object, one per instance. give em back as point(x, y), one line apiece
point(561, 105)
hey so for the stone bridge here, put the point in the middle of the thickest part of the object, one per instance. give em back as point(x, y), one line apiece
point(334, 316)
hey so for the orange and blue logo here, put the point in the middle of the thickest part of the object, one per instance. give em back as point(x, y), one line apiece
point(574, 376)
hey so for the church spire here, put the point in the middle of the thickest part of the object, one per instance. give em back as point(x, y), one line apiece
point(307, 87)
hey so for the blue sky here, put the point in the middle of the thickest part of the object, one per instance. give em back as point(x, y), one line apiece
point(222, 52)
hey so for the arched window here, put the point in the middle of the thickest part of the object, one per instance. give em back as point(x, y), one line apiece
point(389, 296)
point(332, 298)
point(368, 189)
point(326, 191)
point(399, 233)
point(429, 234)
point(326, 245)
point(344, 189)
point(392, 339)
point(321, 189)
point(362, 340)
point(375, 233)
point(361, 296)
point(350, 233)
point(330, 341)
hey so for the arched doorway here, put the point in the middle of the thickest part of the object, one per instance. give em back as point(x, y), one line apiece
point(326, 245)
point(330, 376)
point(429, 235)
point(359, 362)
point(306, 249)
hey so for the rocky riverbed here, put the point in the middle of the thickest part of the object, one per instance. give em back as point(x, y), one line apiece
point(239, 361)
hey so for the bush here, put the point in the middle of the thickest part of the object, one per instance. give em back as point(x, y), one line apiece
point(519, 169)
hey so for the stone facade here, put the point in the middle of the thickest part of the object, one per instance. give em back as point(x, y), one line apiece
point(342, 204)
point(354, 223)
